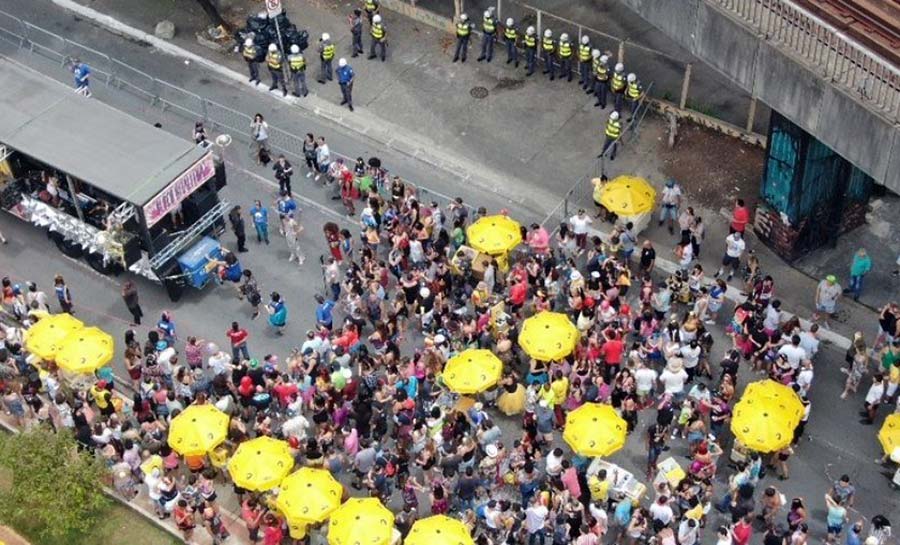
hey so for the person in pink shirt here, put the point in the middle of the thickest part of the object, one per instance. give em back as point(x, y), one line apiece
point(538, 239)
point(569, 479)
point(740, 217)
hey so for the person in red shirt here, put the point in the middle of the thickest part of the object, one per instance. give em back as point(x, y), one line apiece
point(273, 534)
point(740, 217)
point(284, 390)
point(517, 295)
point(742, 531)
point(238, 337)
point(612, 350)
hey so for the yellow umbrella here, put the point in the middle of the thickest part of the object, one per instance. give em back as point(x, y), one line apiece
point(761, 425)
point(260, 464)
point(308, 495)
point(472, 371)
point(548, 336)
point(595, 429)
point(198, 430)
point(494, 234)
point(361, 521)
point(784, 397)
point(626, 196)
point(438, 530)
point(85, 350)
point(889, 434)
point(43, 338)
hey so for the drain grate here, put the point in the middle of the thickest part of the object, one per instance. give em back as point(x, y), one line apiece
point(479, 92)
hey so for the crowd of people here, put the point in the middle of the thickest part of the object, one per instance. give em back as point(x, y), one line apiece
point(362, 394)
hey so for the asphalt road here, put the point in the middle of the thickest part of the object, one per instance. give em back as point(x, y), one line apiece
point(837, 443)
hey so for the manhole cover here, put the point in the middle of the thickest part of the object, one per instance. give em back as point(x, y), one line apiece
point(479, 92)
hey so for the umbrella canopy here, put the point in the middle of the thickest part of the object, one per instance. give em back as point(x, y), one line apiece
point(198, 430)
point(548, 336)
point(889, 434)
point(260, 464)
point(627, 196)
point(44, 338)
point(309, 495)
point(766, 415)
point(472, 371)
point(494, 235)
point(595, 429)
point(361, 521)
point(438, 530)
point(85, 350)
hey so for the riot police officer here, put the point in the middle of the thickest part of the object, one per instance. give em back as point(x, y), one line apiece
point(297, 64)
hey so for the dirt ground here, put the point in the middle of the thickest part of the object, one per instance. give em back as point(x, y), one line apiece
point(8, 537)
point(713, 169)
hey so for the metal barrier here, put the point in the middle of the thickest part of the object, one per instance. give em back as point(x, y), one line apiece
point(120, 76)
point(840, 59)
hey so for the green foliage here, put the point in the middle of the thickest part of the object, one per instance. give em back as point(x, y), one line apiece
point(55, 492)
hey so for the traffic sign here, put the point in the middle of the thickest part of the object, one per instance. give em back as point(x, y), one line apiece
point(273, 7)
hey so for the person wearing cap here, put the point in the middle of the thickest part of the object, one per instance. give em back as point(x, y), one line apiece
point(489, 35)
point(326, 55)
point(463, 31)
point(633, 92)
point(510, 33)
point(275, 62)
point(548, 48)
point(828, 291)
point(356, 30)
point(601, 78)
point(379, 38)
point(530, 41)
point(613, 133)
point(564, 53)
point(297, 64)
point(252, 56)
point(345, 79)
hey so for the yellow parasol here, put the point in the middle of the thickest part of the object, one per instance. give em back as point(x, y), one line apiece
point(260, 464)
point(626, 196)
point(361, 521)
point(85, 350)
point(438, 530)
point(766, 415)
point(494, 235)
point(548, 336)
point(197, 430)
point(595, 429)
point(43, 338)
point(889, 434)
point(472, 371)
point(308, 495)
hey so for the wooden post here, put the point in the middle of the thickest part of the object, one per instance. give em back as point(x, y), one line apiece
point(621, 52)
point(685, 86)
point(499, 9)
point(751, 115)
point(457, 8)
point(540, 30)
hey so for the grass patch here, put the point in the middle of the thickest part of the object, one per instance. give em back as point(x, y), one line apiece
point(119, 524)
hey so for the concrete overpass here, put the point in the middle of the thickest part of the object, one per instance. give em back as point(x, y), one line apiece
point(842, 92)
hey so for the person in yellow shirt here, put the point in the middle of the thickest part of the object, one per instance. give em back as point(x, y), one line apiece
point(546, 394)
point(102, 398)
point(560, 389)
point(598, 485)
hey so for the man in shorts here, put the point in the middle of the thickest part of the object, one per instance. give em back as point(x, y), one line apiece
point(827, 293)
point(734, 249)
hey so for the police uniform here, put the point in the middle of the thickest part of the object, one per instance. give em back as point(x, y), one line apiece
point(531, 43)
point(509, 36)
point(601, 83)
point(585, 66)
point(633, 93)
point(548, 46)
point(379, 40)
point(298, 73)
point(251, 55)
point(356, 30)
point(489, 29)
point(613, 132)
point(565, 59)
point(371, 8)
point(326, 54)
point(463, 31)
point(617, 85)
point(275, 62)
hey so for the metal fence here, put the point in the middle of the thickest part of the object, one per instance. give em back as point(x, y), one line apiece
point(840, 59)
point(158, 93)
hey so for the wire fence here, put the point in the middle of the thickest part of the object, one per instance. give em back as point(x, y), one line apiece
point(169, 98)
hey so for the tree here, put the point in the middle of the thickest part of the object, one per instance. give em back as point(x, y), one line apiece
point(56, 490)
point(213, 13)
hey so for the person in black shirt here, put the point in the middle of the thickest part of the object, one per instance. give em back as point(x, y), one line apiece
point(283, 172)
point(656, 442)
point(237, 227)
point(648, 257)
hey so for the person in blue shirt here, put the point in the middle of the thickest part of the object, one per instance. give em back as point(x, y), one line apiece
point(82, 73)
point(286, 206)
point(324, 311)
point(345, 79)
point(167, 327)
point(277, 312)
point(260, 215)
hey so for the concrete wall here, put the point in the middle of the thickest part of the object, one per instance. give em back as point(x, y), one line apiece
point(860, 135)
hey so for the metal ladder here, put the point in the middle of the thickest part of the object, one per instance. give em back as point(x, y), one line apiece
point(188, 236)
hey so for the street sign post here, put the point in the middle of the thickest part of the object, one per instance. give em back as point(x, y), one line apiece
point(273, 7)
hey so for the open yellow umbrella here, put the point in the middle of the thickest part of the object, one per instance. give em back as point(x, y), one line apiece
point(472, 371)
point(85, 350)
point(784, 397)
point(361, 521)
point(889, 434)
point(260, 464)
point(308, 495)
point(760, 425)
point(198, 430)
point(494, 234)
point(595, 429)
point(43, 338)
point(626, 196)
point(548, 336)
point(438, 530)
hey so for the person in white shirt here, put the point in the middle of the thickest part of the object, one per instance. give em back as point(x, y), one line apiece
point(554, 462)
point(805, 376)
point(295, 426)
point(323, 156)
point(220, 363)
point(793, 352)
point(661, 512)
point(690, 356)
point(673, 378)
point(670, 200)
point(772, 320)
point(734, 249)
point(809, 340)
point(536, 519)
point(644, 381)
point(580, 223)
point(873, 398)
point(687, 531)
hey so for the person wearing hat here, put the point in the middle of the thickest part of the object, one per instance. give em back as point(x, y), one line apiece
point(345, 79)
point(673, 378)
point(489, 35)
point(463, 31)
point(251, 55)
point(827, 293)
point(275, 62)
point(379, 38)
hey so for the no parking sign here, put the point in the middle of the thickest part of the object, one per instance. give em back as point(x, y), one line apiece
point(273, 7)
